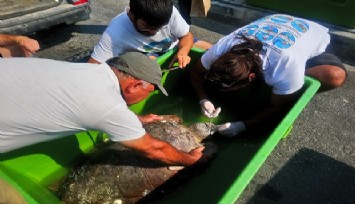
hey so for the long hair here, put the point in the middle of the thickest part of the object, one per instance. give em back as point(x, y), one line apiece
point(155, 13)
point(235, 66)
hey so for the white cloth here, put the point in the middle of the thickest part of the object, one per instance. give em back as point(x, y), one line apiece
point(288, 42)
point(120, 36)
point(42, 99)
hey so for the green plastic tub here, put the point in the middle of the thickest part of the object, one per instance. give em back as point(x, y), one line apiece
point(36, 171)
point(338, 12)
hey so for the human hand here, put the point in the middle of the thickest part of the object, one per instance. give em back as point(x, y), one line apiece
point(200, 155)
point(28, 45)
point(208, 109)
point(209, 150)
point(149, 118)
point(196, 154)
point(183, 60)
point(231, 129)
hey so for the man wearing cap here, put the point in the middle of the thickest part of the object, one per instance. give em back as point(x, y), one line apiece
point(43, 99)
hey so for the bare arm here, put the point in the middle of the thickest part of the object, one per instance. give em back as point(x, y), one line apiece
point(149, 118)
point(156, 149)
point(28, 45)
point(279, 105)
point(93, 61)
point(196, 75)
point(8, 39)
point(185, 45)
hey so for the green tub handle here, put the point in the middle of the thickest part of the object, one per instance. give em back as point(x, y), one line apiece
point(287, 132)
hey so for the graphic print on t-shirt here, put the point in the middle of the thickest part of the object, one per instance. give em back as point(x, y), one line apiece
point(266, 33)
point(158, 46)
point(300, 25)
point(281, 19)
point(249, 30)
point(278, 31)
point(284, 40)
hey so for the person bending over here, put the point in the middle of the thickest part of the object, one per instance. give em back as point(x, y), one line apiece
point(277, 50)
point(45, 99)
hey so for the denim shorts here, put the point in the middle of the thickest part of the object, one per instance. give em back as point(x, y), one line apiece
point(325, 59)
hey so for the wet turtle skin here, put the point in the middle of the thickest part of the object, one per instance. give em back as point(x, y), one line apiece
point(115, 174)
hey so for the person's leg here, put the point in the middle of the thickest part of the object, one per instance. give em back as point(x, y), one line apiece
point(184, 9)
point(328, 69)
point(204, 45)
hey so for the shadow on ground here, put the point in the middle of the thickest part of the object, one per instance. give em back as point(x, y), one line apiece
point(63, 33)
point(318, 183)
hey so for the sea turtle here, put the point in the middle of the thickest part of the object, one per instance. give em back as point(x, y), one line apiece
point(116, 174)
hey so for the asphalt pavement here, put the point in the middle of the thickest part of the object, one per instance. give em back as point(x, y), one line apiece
point(316, 162)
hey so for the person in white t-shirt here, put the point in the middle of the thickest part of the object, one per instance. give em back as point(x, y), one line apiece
point(17, 46)
point(277, 50)
point(43, 99)
point(148, 26)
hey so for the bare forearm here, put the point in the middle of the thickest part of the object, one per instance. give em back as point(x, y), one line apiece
point(156, 149)
point(196, 76)
point(8, 39)
point(27, 45)
point(168, 154)
point(185, 44)
point(197, 84)
point(270, 116)
point(280, 104)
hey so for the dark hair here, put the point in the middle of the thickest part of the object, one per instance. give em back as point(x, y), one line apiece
point(235, 66)
point(155, 13)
